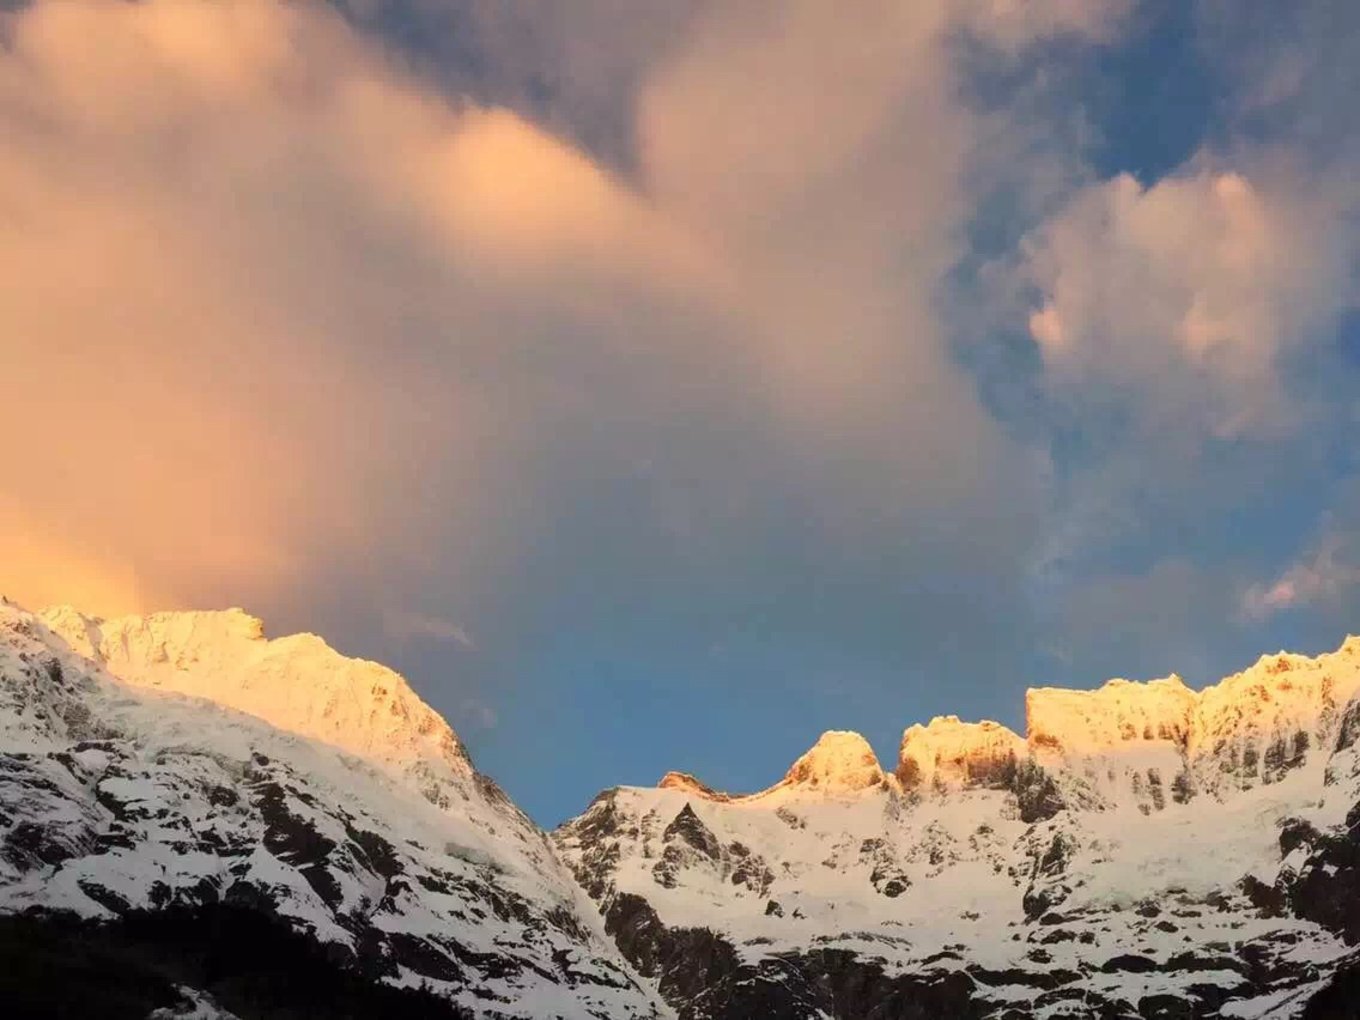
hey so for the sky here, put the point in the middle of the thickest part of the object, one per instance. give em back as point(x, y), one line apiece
point(657, 386)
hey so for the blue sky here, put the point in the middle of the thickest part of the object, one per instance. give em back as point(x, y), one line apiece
point(657, 389)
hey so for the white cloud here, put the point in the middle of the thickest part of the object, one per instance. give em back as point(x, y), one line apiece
point(1186, 295)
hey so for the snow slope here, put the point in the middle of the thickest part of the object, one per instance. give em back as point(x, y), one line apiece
point(181, 759)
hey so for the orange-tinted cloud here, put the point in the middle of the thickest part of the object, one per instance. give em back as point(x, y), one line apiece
point(276, 310)
point(1324, 576)
point(40, 569)
point(230, 236)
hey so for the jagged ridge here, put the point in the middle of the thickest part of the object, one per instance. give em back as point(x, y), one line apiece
point(1251, 726)
point(1146, 850)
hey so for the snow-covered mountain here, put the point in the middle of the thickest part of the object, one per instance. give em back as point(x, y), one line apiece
point(181, 766)
point(199, 822)
point(1145, 851)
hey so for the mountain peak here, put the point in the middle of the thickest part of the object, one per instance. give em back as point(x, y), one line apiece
point(296, 683)
point(1116, 712)
point(687, 783)
point(841, 761)
point(951, 754)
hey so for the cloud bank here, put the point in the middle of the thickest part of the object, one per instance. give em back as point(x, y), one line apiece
point(269, 293)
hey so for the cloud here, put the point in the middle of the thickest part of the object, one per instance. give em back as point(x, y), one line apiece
point(270, 297)
point(1188, 330)
point(478, 714)
point(40, 568)
point(253, 273)
point(403, 626)
point(1302, 585)
point(573, 68)
point(1327, 576)
point(831, 165)
point(1291, 80)
point(1188, 295)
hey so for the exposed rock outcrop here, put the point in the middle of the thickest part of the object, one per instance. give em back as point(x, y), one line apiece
point(952, 755)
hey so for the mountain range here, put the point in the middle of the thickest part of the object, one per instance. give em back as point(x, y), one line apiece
point(199, 822)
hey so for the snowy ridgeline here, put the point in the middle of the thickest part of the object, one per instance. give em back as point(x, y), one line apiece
point(1144, 850)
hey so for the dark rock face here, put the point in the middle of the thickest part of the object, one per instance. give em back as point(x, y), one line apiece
point(688, 962)
point(1035, 792)
point(986, 771)
point(1268, 899)
point(702, 975)
point(289, 827)
point(840, 984)
point(58, 966)
point(1047, 888)
point(1295, 832)
point(1326, 887)
point(996, 773)
point(687, 827)
point(1348, 728)
point(295, 840)
point(1340, 999)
